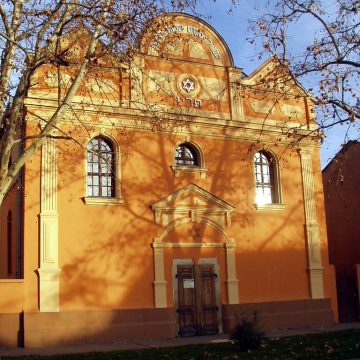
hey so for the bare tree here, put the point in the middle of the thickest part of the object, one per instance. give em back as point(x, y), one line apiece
point(326, 61)
point(30, 37)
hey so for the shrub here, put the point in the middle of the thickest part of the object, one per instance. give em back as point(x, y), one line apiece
point(248, 335)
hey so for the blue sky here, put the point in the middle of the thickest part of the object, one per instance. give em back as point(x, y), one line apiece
point(233, 27)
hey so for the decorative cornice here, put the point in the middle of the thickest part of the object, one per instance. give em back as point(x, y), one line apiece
point(208, 126)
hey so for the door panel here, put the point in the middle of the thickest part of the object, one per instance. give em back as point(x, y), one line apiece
point(186, 293)
point(197, 300)
point(207, 308)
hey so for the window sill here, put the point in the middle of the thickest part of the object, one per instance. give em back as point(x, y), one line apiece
point(8, 281)
point(189, 169)
point(269, 207)
point(103, 201)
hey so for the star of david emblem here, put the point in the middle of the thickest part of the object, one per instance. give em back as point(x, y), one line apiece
point(188, 85)
point(194, 232)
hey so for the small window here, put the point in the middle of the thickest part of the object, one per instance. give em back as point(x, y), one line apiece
point(265, 178)
point(100, 168)
point(186, 155)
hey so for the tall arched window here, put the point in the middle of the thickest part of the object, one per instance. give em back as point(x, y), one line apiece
point(9, 243)
point(100, 168)
point(265, 178)
point(186, 155)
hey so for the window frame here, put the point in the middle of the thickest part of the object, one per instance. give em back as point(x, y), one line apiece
point(187, 148)
point(195, 150)
point(269, 172)
point(115, 197)
point(101, 160)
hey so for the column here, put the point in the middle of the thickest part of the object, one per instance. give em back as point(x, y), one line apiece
point(159, 283)
point(312, 228)
point(49, 272)
point(232, 281)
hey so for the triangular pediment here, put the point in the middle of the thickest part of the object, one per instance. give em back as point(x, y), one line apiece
point(192, 197)
point(273, 74)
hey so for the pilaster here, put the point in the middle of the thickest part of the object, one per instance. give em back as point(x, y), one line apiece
point(312, 228)
point(49, 272)
point(159, 283)
point(232, 281)
point(235, 93)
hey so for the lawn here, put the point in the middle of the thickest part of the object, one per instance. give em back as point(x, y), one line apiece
point(340, 345)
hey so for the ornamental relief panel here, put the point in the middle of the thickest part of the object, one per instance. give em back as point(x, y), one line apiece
point(187, 89)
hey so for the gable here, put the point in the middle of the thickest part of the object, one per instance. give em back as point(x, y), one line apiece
point(195, 203)
point(273, 75)
point(273, 93)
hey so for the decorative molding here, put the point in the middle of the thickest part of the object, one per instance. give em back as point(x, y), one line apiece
point(262, 106)
point(187, 245)
point(189, 169)
point(292, 110)
point(49, 272)
point(195, 203)
point(269, 207)
point(312, 227)
point(103, 201)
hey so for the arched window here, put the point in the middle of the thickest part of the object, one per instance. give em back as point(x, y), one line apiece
point(265, 178)
point(100, 168)
point(9, 243)
point(186, 155)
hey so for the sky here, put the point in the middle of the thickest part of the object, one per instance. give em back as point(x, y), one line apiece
point(234, 28)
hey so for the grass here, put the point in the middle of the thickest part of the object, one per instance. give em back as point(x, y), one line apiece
point(341, 345)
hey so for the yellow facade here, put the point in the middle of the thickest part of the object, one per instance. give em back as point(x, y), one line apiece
point(93, 264)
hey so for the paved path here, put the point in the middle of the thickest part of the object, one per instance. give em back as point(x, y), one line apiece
point(143, 344)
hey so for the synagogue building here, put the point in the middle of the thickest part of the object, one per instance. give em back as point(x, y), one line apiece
point(177, 194)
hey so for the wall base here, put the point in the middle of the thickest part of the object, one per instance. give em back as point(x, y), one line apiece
point(11, 330)
point(79, 327)
point(36, 330)
point(282, 314)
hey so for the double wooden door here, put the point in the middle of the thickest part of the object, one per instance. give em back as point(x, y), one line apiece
point(197, 309)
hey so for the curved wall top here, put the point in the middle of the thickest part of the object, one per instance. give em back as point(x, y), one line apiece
point(184, 37)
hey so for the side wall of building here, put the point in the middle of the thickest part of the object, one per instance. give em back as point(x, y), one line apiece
point(342, 188)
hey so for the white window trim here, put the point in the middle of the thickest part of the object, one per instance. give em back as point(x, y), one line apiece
point(200, 169)
point(279, 204)
point(117, 199)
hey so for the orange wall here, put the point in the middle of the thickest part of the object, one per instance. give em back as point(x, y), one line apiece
point(105, 251)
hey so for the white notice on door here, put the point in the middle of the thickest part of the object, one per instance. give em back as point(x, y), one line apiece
point(189, 283)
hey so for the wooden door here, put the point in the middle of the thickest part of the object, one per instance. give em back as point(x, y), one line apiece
point(197, 312)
